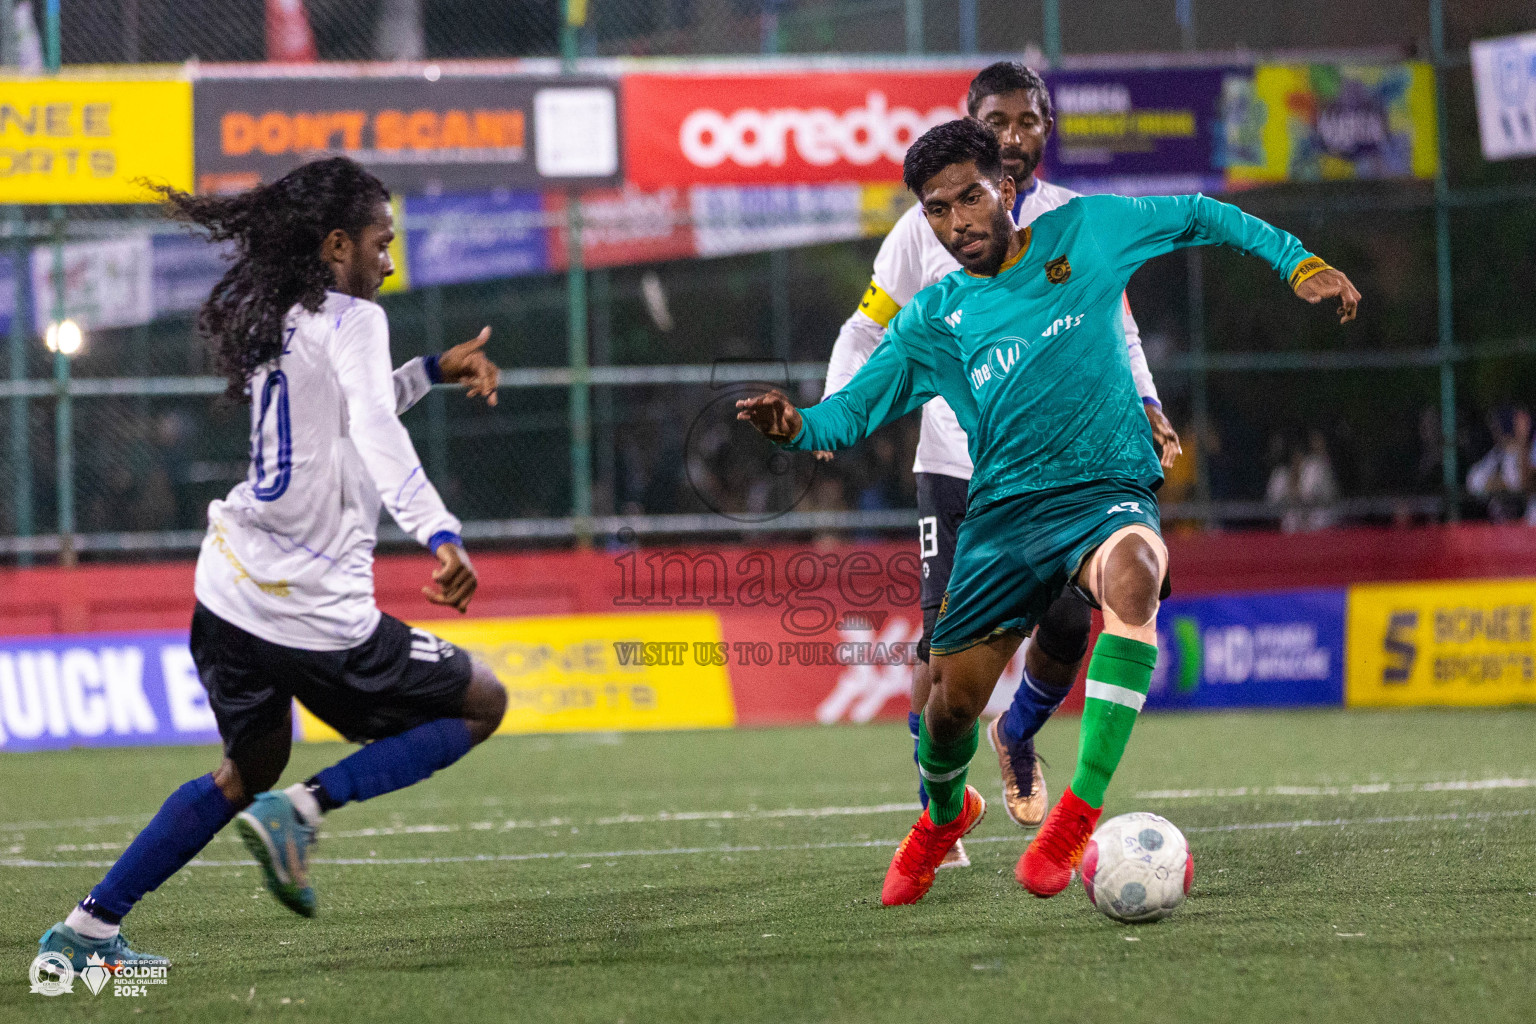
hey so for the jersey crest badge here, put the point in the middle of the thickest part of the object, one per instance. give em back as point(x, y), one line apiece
point(1058, 270)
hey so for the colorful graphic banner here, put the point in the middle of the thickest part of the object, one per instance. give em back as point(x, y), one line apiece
point(1442, 644)
point(1326, 122)
point(453, 134)
point(1250, 650)
point(89, 141)
point(781, 128)
point(1146, 132)
point(1504, 75)
point(101, 689)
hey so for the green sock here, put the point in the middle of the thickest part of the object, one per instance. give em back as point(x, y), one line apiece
point(1118, 677)
point(943, 767)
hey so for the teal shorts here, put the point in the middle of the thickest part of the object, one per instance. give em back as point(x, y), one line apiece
point(1013, 557)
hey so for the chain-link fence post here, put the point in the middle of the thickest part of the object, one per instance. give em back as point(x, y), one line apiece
point(575, 12)
point(1449, 472)
point(21, 411)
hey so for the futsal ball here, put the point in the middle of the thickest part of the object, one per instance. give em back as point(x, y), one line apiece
point(1137, 868)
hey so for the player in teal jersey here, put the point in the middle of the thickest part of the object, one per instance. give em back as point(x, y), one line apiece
point(1026, 345)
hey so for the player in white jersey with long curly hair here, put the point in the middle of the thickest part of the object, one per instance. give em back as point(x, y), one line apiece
point(285, 604)
point(1013, 100)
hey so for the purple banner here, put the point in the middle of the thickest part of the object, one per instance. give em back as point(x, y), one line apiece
point(101, 690)
point(1144, 132)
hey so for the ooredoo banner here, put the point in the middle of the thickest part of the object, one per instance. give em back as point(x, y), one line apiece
point(800, 127)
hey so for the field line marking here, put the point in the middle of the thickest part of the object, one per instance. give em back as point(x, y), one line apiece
point(1358, 789)
point(681, 851)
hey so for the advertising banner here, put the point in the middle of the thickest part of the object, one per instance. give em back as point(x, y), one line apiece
point(622, 226)
point(101, 689)
point(7, 293)
point(1250, 650)
point(418, 136)
point(781, 128)
point(1442, 644)
point(754, 218)
point(593, 673)
point(453, 238)
point(1142, 132)
point(1324, 122)
point(1504, 76)
point(88, 141)
point(107, 283)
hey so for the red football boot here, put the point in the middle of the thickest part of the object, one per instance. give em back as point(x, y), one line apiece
point(920, 854)
point(1057, 849)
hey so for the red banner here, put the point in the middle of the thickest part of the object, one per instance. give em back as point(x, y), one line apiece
point(800, 127)
point(621, 226)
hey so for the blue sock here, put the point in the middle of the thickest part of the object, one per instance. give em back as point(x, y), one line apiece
point(1032, 705)
point(915, 718)
point(188, 819)
point(392, 763)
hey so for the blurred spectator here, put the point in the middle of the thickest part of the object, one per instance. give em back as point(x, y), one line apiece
point(1504, 477)
point(1303, 485)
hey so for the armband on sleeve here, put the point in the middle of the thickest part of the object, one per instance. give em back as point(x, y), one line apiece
point(877, 305)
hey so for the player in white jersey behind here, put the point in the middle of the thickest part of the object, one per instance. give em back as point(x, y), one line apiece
point(1013, 101)
point(284, 585)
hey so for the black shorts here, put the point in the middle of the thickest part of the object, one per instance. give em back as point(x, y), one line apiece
point(940, 508)
point(396, 679)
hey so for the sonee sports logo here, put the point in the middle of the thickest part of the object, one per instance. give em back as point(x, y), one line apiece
point(1125, 506)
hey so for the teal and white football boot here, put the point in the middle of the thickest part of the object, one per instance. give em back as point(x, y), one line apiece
point(78, 949)
point(279, 839)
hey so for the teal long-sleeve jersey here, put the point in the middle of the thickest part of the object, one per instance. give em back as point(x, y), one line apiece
point(1033, 360)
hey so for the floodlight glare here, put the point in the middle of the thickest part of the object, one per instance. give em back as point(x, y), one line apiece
point(64, 336)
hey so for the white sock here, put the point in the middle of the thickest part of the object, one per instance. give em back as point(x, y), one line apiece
point(89, 925)
point(305, 803)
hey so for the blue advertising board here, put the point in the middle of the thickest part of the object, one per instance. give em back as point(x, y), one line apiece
point(1282, 649)
point(101, 690)
point(454, 238)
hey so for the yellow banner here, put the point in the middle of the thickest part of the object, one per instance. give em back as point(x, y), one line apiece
point(589, 673)
point(1441, 643)
point(87, 141)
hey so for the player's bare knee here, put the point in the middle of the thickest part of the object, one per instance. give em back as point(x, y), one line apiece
point(1132, 581)
point(485, 702)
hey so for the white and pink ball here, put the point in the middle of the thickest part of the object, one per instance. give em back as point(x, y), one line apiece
point(1137, 868)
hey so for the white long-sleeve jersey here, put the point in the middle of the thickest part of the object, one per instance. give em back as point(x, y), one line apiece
point(910, 259)
point(289, 553)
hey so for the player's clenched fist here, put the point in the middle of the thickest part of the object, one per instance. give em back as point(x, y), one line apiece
point(772, 414)
point(1328, 283)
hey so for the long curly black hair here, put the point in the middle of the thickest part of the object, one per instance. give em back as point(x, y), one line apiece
point(277, 230)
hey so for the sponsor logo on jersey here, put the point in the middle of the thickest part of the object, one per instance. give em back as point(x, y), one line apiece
point(1005, 355)
point(1058, 270)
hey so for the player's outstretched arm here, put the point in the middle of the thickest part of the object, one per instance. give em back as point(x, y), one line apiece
point(1329, 283)
point(468, 364)
point(1132, 231)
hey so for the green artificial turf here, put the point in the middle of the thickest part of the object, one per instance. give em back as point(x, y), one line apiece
point(1335, 880)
